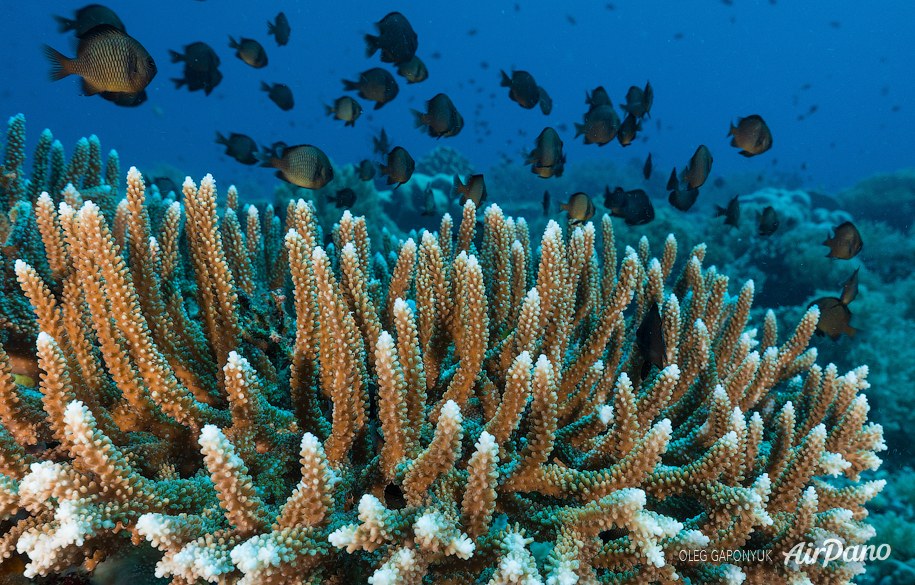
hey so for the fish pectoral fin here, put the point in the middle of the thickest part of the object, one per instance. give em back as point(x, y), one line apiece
point(89, 89)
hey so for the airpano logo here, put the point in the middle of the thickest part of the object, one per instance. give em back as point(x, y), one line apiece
point(832, 549)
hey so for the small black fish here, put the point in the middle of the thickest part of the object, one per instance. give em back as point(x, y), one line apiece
point(547, 159)
point(639, 101)
point(698, 169)
point(546, 102)
point(523, 90)
point(396, 39)
point(683, 199)
point(394, 498)
point(365, 170)
point(399, 168)
point(646, 168)
point(626, 134)
point(302, 165)
point(474, 190)
point(345, 198)
point(846, 243)
point(835, 318)
point(731, 213)
point(546, 203)
point(280, 94)
point(241, 147)
point(201, 67)
point(429, 208)
point(108, 60)
point(752, 135)
point(598, 97)
point(649, 338)
point(345, 108)
point(441, 118)
point(850, 288)
point(87, 18)
point(600, 125)
point(375, 85)
point(414, 70)
point(768, 221)
point(280, 29)
point(633, 206)
point(381, 145)
point(580, 208)
point(249, 51)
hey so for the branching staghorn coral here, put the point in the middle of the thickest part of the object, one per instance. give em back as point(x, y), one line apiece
point(465, 408)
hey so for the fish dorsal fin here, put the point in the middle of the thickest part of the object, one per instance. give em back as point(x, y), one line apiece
point(100, 31)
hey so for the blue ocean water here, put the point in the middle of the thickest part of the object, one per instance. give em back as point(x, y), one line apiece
point(708, 61)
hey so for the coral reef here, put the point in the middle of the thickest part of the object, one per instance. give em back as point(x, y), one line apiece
point(445, 160)
point(455, 408)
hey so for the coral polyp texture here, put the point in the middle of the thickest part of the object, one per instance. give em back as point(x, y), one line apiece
point(263, 405)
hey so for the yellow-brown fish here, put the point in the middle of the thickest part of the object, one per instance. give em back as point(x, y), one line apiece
point(87, 18)
point(280, 94)
point(400, 166)
point(752, 135)
point(580, 208)
point(396, 39)
point(474, 190)
point(835, 318)
point(441, 118)
point(845, 243)
point(700, 165)
point(280, 29)
point(850, 288)
point(547, 159)
point(600, 125)
point(414, 70)
point(249, 51)
point(375, 85)
point(628, 129)
point(109, 61)
point(304, 166)
point(345, 108)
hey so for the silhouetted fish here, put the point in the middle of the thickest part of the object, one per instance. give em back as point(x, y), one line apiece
point(523, 90)
point(201, 67)
point(627, 131)
point(731, 213)
point(396, 39)
point(598, 97)
point(546, 203)
point(639, 101)
point(846, 243)
point(344, 198)
point(768, 221)
point(646, 168)
point(375, 85)
point(474, 190)
point(87, 18)
point(600, 125)
point(649, 338)
point(633, 206)
point(365, 170)
point(302, 165)
point(241, 147)
point(698, 169)
point(381, 145)
point(752, 135)
point(547, 159)
point(399, 168)
point(280, 29)
point(280, 94)
point(835, 318)
point(850, 288)
point(345, 108)
point(441, 118)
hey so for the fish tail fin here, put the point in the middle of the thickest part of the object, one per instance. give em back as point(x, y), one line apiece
point(329, 110)
point(378, 105)
point(506, 80)
point(350, 85)
point(579, 129)
point(350, 123)
point(564, 206)
point(371, 45)
point(418, 119)
point(64, 24)
point(851, 331)
point(60, 64)
point(264, 86)
point(271, 28)
point(220, 139)
point(233, 44)
point(179, 83)
point(175, 56)
point(731, 133)
point(720, 211)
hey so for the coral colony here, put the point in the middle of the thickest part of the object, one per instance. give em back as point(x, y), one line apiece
point(264, 404)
